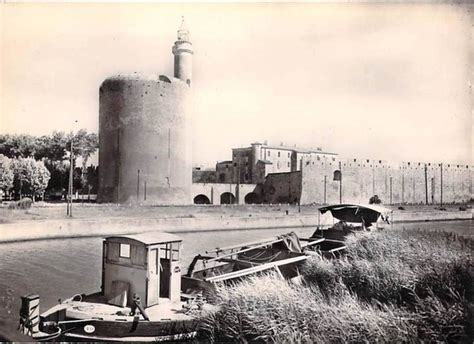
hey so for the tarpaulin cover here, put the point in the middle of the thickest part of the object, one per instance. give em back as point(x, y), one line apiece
point(290, 241)
point(366, 214)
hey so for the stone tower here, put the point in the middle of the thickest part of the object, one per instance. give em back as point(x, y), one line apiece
point(183, 55)
point(144, 134)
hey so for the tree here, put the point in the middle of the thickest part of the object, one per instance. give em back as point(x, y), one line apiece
point(84, 145)
point(30, 176)
point(39, 179)
point(52, 147)
point(6, 173)
point(375, 200)
point(53, 151)
point(14, 146)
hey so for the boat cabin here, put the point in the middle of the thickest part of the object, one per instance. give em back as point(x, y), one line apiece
point(143, 265)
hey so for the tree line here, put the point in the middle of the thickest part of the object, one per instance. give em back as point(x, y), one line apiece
point(35, 165)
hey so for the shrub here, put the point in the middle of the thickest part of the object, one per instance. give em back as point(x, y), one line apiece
point(375, 200)
point(24, 203)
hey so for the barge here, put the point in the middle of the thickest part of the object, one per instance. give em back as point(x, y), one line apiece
point(139, 300)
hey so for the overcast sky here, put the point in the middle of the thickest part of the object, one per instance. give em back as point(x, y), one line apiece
point(363, 80)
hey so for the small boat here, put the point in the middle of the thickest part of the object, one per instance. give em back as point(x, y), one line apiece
point(140, 298)
point(352, 218)
point(282, 254)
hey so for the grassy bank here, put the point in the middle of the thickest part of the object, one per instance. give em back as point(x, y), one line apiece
point(392, 286)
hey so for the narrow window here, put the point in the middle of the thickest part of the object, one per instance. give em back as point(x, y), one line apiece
point(124, 250)
point(278, 154)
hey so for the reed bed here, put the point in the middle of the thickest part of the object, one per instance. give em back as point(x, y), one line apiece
point(391, 286)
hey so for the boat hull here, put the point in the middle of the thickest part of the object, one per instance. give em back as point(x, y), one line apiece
point(128, 331)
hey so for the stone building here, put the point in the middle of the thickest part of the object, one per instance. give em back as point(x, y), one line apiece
point(203, 175)
point(251, 165)
point(144, 147)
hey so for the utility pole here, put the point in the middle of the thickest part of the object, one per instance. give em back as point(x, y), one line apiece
point(426, 184)
point(373, 180)
point(237, 190)
point(70, 187)
point(391, 190)
point(340, 183)
point(432, 189)
point(138, 184)
point(144, 191)
point(325, 181)
point(403, 184)
point(414, 191)
point(441, 186)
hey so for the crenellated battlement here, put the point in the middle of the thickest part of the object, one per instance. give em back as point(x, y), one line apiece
point(407, 182)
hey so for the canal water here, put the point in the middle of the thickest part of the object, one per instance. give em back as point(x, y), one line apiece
point(59, 268)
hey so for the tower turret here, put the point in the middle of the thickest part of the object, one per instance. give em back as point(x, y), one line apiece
point(183, 55)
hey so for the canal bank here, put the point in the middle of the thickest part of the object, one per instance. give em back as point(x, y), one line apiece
point(104, 226)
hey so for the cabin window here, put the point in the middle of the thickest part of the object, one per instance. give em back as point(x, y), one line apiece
point(175, 252)
point(125, 250)
point(165, 252)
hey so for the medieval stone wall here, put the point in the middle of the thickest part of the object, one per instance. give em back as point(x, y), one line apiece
point(393, 182)
point(282, 187)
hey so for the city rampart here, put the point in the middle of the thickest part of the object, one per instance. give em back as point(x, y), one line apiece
point(282, 187)
point(356, 180)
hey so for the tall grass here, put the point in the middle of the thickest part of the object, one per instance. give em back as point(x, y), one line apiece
point(269, 309)
point(392, 286)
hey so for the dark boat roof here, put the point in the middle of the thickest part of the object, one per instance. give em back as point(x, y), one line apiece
point(150, 238)
point(355, 212)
